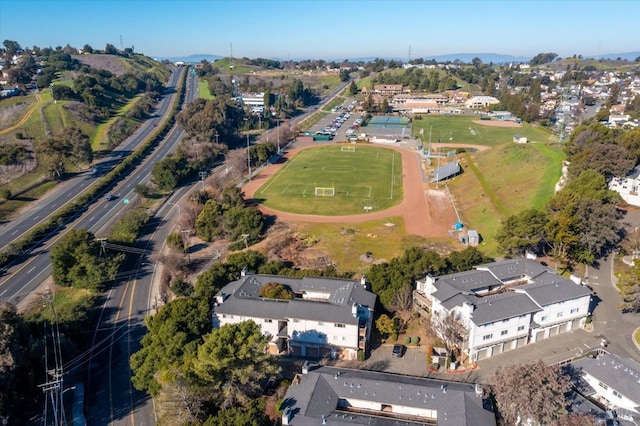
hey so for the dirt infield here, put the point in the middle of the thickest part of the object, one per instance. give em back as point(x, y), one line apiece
point(497, 123)
point(427, 213)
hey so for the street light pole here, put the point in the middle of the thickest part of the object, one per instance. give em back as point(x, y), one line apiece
point(248, 157)
point(216, 135)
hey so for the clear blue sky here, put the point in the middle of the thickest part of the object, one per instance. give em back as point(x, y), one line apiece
point(329, 29)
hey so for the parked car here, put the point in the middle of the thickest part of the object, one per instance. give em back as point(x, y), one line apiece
point(398, 350)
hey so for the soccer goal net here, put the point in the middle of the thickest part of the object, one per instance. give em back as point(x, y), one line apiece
point(325, 192)
point(348, 148)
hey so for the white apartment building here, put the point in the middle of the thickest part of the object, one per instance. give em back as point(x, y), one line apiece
point(326, 317)
point(613, 381)
point(505, 305)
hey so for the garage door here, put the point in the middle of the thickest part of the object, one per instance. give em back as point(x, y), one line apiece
point(565, 327)
point(553, 331)
point(539, 335)
point(484, 353)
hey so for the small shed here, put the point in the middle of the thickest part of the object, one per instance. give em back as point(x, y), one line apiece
point(520, 139)
point(447, 171)
point(473, 238)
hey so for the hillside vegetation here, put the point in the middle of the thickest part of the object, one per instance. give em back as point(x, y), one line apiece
point(100, 98)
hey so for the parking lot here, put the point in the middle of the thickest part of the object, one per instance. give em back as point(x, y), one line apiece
point(552, 350)
point(340, 122)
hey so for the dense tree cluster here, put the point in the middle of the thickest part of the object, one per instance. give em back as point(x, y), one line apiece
point(203, 119)
point(418, 79)
point(543, 58)
point(274, 290)
point(72, 145)
point(76, 261)
point(227, 217)
point(580, 223)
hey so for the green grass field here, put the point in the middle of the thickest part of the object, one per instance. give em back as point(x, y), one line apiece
point(369, 176)
point(203, 90)
point(457, 129)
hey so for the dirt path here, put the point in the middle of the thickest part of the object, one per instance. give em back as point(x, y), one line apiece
point(427, 212)
point(24, 118)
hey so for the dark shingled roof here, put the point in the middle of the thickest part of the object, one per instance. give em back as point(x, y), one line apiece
point(243, 298)
point(317, 395)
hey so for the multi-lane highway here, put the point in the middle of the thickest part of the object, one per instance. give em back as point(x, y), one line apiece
point(75, 186)
point(19, 280)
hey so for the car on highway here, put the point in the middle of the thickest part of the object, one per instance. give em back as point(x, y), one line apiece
point(398, 350)
point(109, 197)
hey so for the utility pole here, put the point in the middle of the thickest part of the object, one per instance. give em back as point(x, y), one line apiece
point(278, 124)
point(54, 387)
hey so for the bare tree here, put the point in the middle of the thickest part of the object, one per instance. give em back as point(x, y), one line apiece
point(450, 331)
point(237, 162)
point(402, 299)
point(189, 214)
point(531, 392)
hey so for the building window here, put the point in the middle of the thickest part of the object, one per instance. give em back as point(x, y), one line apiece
point(543, 319)
point(559, 314)
point(487, 336)
point(267, 320)
point(320, 323)
point(338, 325)
point(504, 332)
point(618, 394)
point(295, 320)
point(602, 385)
point(521, 328)
point(575, 310)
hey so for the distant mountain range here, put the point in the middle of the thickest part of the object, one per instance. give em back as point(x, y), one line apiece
point(629, 56)
point(486, 58)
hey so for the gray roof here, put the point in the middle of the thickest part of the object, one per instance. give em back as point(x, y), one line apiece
point(540, 287)
point(510, 269)
point(318, 392)
point(502, 306)
point(446, 171)
point(469, 281)
point(550, 288)
point(621, 374)
point(244, 299)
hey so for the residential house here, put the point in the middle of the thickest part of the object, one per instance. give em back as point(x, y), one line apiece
point(326, 317)
point(628, 186)
point(613, 381)
point(505, 305)
point(340, 396)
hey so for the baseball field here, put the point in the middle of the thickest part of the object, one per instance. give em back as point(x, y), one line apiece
point(336, 180)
